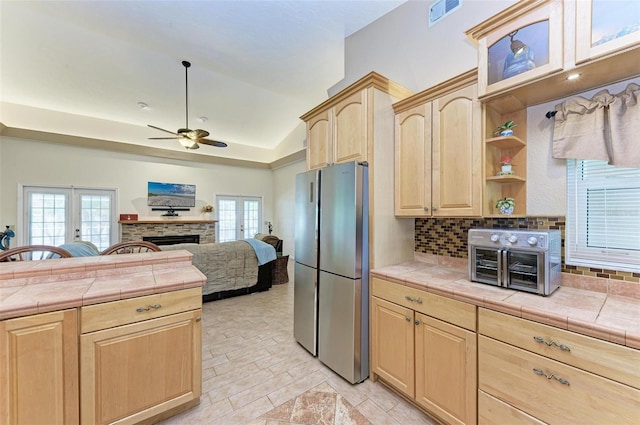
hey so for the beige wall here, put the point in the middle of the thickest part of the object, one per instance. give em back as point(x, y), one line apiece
point(35, 163)
point(284, 203)
point(401, 46)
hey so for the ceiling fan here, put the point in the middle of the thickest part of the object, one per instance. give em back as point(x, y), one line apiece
point(188, 138)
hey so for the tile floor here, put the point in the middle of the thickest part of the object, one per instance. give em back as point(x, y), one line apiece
point(254, 373)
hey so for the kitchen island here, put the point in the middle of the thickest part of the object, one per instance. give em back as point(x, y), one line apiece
point(100, 339)
point(466, 352)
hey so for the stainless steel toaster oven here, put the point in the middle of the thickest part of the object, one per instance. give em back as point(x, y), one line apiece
point(524, 260)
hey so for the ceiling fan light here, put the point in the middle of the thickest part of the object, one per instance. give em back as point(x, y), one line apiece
point(188, 143)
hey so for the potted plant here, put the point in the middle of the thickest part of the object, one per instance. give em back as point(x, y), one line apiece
point(506, 205)
point(505, 129)
point(506, 164)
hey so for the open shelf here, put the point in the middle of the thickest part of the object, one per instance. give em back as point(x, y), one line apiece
point(505, 186)
point(506, 179)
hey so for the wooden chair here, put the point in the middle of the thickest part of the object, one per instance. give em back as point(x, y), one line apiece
point(33, 252)
point(131, 247)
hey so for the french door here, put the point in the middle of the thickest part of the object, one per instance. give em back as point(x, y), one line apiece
point(58, 215)
point(239, 217)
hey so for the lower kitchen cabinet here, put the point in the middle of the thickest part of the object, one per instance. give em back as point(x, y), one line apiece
point(553, 375)
point(446, 370)
point(136, 371)
point(39, 376)
point(417, 352)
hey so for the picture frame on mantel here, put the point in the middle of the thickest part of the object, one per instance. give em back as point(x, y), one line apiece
point(520, 44)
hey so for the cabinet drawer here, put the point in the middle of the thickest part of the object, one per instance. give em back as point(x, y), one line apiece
point(552, 391)
point(117, 313)
point(604, 358)
point(445, 309)
point(492, 411)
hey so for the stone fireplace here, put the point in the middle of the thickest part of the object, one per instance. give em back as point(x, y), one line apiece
point(138, 230)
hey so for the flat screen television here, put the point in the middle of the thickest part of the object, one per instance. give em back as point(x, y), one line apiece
point(171, 195)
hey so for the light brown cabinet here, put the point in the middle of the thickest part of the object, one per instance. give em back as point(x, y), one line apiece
point(39, 376)
point(553, 375)
point(420, 347)
point(529, 50)
point(356, 124)
point(438, 151)
point(144, 362)
point(603, 28)
point(338, 134)
point(342, 129)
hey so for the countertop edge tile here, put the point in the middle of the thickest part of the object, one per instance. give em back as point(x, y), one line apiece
point(545, 317)
point(502, 307)
point(632, 340)
point(605, 333)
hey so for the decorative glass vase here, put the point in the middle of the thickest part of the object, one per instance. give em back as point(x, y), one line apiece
point(506, 209)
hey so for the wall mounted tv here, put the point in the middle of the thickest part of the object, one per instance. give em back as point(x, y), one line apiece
point(171, 195)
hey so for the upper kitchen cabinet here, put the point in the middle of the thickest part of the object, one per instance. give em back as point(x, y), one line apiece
point(438, 151)
point(604, 27)
point(341, 129)
point(521, 43)
point(319, 141)
point(542, 50)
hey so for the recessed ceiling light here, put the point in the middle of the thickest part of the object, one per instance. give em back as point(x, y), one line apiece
point(143, 105)
point(203, 119)
point(573, 76)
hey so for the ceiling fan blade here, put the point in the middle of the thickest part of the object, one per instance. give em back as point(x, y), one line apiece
point(164, 138)
point(198, 134)
point(215, 143)
point(162, 129)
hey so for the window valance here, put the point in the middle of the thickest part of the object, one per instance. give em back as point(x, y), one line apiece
point(605, 127)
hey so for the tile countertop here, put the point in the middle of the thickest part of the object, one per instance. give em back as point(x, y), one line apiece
point(32, 287)
point(612, 318)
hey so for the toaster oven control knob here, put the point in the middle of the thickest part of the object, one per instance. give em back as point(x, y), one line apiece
point(532, 240)
point(495, 238)
point(513, 239)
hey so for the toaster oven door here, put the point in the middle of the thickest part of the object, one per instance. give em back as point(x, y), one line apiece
point(525, 271)
point(485, 265)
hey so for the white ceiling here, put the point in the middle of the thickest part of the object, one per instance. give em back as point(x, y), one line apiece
point(81, 67)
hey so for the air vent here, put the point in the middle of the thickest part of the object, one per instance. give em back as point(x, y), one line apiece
point(442, 8)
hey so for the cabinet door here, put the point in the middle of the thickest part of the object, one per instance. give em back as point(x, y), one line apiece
point(350, 129)
point(392, 344)
point(446, 370)
point(457, 154)
point(604, 27)
point(39, 376)
point(319, 143)
point(133, 372)
point(413, 162)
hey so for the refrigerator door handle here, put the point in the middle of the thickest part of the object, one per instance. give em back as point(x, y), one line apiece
point(311, 193)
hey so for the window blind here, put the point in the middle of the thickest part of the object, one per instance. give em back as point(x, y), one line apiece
point(603, 216)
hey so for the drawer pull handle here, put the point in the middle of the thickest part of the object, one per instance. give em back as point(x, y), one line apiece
point(417, 322)
point(551, 342)
point(147, 308)
point(413, 299)
point(550, 376)
point(408, 319)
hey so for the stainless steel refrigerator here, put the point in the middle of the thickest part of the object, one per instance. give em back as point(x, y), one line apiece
point(331, 276)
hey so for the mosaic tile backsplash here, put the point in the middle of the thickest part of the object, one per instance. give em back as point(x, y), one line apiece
point(448, 237)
